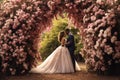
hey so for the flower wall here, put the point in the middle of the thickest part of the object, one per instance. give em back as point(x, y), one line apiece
point(102, 36)
point(22, 21)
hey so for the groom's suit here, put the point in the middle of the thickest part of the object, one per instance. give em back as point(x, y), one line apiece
point(71, 47)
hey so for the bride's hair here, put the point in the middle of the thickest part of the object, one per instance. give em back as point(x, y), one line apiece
point(61, 35)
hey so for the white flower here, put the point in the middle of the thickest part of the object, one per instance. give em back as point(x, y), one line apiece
point(29, 8)
point(113, 39)
point(98, 22)
point(25, 66)
point(90, 30)
point(91, 25)
point(95, 8)
point(20, 12)
point(93, 18)
point(13, 72)
point(9, 31)
point(99, 1)
point(16, 23)
point(103, 42)
point(98, 42)
point(108, 49)
point(9, 21)
point(100, 33)
point(5, 65)
point(51, 5)
point(107, 32)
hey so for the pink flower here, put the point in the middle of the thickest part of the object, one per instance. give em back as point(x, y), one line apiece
point(98, 22)
point(1, 42)
point(98, 42)
point(51, 5)
point(5, 65)
point(29, 8)
point(9, 21)
point(20, 30)
point(20, 12)
point(95, 8)
point(90, 30)
point(13, 72)
point(103, 68)
point(98, 1)
point(103, 24)
point(10, 31)
point(15, 0)
point(5, 46)
point(68, 4)
point(113, 39)
point(86, 19)
point(22, 37)
point(78, 1)
point(93, 18)
point(100, 12)
point(108, 49)
point(25, 66)
point(21, 50)
point(15, 55)
point(107, 32)
point(117, 56)
point(38, 3)
point(23, 5)
point(115, 33)
point(111, 2)
point(103, 42)
point(57, 1)
point(118, 8)
point(109, 62)
point(16, 23)
point(100, 33)
point(101, 2)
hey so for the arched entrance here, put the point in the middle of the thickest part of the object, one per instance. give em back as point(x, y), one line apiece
point(21, 21)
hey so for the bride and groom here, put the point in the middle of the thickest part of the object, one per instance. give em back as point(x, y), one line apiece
point(62, 58)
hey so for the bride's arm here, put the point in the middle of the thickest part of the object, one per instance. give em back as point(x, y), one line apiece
point(63, 42)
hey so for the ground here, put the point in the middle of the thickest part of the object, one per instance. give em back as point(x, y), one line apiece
point(81, 75)
point(73, 76)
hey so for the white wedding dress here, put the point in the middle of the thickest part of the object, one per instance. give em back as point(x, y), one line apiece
point(58, 62)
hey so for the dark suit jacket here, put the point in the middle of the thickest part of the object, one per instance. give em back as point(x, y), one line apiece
point(71, 43)
point(71, 48)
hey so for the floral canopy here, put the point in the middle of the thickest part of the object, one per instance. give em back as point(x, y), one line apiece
point(22, 21)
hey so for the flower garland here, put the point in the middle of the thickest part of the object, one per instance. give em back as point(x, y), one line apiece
point(101, 41)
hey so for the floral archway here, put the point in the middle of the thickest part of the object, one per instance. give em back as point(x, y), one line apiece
point(22, 21)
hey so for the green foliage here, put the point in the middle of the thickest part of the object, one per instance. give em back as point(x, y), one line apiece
point(1, 1)
point(49, 40)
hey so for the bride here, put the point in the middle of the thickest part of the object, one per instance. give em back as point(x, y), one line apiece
point(59, 61)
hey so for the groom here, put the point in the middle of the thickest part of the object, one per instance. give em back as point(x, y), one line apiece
point(70, 45)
